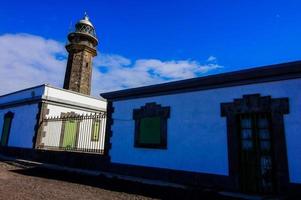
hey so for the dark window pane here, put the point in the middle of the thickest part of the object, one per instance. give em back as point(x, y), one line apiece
point(265, 145)
point(262, 122)
point(266, 172)
point(151, 126)
point(247, 144)
point(246, 134)
point(266, 164)
point(246, 123)
point(150, 130)
point(264, 134)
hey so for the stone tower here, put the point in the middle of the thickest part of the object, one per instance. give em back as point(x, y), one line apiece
point(81, 48)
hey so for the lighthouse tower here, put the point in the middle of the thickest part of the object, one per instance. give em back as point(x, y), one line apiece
point(81, 48)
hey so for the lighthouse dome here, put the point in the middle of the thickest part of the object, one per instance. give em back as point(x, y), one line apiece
point(84, 29)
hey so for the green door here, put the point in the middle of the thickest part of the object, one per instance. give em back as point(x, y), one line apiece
point(5, 131)
point(70, 131)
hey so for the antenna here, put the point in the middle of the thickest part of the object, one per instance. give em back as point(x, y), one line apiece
point(86, 17)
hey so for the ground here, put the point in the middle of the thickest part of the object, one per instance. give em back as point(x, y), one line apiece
point(19, 181)
point(14, 184)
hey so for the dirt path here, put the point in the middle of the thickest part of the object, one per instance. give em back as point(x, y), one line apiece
point(15, 184)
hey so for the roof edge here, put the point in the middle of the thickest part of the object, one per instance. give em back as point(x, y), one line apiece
point(77, 93)
point(266, 73)
point(22, 90)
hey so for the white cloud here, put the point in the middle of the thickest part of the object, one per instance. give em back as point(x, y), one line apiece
point(211, 59)
point(28, 60)
point(120, 73)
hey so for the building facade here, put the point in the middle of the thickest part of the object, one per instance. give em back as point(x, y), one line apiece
point(237, 131)
point(46, 117)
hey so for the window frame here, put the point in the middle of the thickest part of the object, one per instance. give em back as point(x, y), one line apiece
point(255, 103)
point(148, 111)
point(11, 116)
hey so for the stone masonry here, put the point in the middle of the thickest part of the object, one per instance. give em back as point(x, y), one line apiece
point(81, 48)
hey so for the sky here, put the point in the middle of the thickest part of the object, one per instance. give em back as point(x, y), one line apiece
point(146, 42)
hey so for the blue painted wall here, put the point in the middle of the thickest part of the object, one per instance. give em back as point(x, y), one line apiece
point(197, 135)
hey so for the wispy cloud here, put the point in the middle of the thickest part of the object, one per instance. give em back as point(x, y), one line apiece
point(27, 60)
point(120, 72)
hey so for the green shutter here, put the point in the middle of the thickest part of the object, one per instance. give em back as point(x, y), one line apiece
point(95, 131)
point(150, 130)
point(70, 134)
point(5, 131)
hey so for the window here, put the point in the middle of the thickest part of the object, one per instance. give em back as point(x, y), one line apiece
point(95, 130)
point(151, 126)
point(8, 117)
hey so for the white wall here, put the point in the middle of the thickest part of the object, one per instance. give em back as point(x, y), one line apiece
point(22, 127)
point(74, 97)
point(56, 110)
point(61, 95)
point(197, 135)
point(85, 134)
point(53, 129)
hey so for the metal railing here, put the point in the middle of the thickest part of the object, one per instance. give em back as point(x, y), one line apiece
point(84, 133)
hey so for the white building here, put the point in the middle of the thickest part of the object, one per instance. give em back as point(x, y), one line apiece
point(45, 117)
point(238, 130)
point(52, 118)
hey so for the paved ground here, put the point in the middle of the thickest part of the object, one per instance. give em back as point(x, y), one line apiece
point(19, 183)
point(35, 183)
point(27, 180)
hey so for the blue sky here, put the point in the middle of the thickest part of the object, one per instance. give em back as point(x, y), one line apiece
point(226, 34)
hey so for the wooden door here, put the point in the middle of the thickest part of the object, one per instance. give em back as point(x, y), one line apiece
point(256, 154)
point(70, 134)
